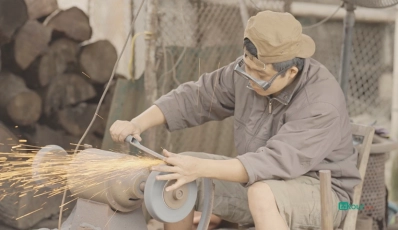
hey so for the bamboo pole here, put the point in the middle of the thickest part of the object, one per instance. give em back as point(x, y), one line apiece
point(244, 13)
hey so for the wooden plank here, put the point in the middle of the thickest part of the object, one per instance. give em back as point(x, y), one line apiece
point(363, 156)
point(326, 200)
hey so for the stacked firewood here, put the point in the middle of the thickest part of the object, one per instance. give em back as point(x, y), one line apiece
point(51, 78)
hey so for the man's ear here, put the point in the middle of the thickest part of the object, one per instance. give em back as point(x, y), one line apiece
point(292, 72)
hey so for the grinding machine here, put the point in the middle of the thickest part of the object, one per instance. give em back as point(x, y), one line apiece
point(114, 201)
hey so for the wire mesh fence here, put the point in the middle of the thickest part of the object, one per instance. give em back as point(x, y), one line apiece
point(198, 36)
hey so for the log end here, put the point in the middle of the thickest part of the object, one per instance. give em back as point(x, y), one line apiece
point(97, 60)
point(67, 89)
point(13, 15)
point(40, 8)
point(30, 42)
point(73, 22)
point(25, 108)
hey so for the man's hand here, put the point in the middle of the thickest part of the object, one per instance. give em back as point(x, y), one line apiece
point(182, 168)
point(121, 129)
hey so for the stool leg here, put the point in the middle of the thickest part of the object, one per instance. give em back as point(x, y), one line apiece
point(326, 200)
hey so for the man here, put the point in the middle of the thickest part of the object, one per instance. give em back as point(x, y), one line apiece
point(290, 122)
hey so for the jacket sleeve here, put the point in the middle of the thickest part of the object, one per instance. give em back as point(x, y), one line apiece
point(307, 138)
point(212, 97)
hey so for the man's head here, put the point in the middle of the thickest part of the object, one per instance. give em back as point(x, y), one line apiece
point(274, 49)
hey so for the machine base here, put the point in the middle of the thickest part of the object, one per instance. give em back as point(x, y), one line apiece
point(91, 215)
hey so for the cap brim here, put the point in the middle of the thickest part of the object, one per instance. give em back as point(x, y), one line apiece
point(307, 47)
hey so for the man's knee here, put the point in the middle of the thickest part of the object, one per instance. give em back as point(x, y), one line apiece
point(260, 191)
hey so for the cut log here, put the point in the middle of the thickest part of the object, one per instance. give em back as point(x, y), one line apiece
point(13, 15)
point(75, 120)
point(97, 60)
point(30, 42)
point(40, 8)
point(73, 22)
point(60, 58)
point(42, 135)
point(18, 103)
point(64, 90)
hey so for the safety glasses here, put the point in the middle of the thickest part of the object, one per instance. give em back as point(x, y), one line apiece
point(260, 83)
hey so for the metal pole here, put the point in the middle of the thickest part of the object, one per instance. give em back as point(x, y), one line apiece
point(244, 13)
point(150, 81)
point(394, 96)
point(394, 116)
point(349, 22)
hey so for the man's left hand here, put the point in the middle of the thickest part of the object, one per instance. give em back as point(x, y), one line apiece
point(182, 168)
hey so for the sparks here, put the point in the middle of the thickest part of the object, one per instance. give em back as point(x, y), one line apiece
point(23, 176)
point(28, 214)
point(86, 74)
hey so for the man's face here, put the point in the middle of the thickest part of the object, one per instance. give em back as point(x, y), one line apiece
point(257, 71)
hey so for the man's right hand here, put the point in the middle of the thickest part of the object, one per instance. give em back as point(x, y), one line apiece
point(121, 129)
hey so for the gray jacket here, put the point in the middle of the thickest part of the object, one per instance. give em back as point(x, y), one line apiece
point(304, 129)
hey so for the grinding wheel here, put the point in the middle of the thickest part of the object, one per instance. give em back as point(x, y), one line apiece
point(41, 165)
point(171, 206)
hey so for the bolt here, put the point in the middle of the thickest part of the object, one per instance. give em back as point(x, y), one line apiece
point(178, 194)
point(142, 186)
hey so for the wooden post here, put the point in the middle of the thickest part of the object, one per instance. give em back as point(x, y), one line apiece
point(326, 200)
point(150, 84)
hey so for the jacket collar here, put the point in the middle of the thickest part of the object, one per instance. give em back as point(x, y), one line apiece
point(288, 92)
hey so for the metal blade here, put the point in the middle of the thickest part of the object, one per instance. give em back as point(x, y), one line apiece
point(131, 140)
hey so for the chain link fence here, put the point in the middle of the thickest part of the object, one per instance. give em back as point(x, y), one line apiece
point(198, 36)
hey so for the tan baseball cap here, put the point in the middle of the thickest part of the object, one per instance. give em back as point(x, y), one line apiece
point(278, 37)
